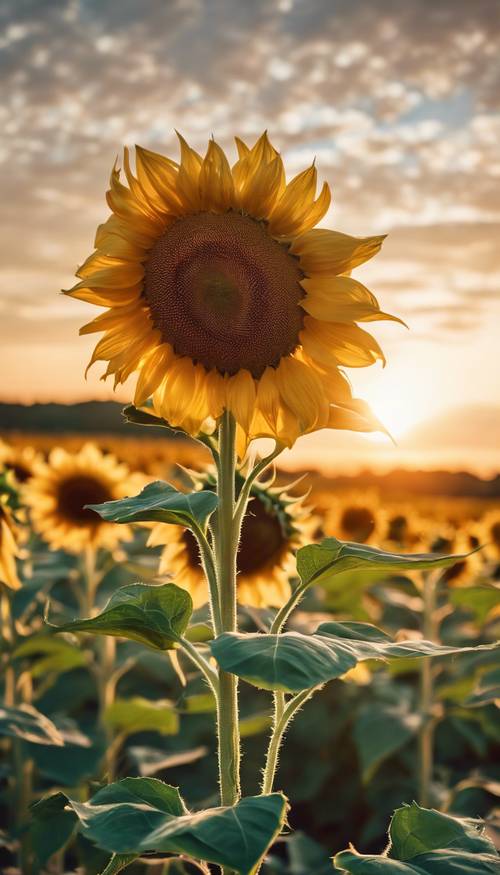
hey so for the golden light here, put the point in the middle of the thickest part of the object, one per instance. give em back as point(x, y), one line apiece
point(401, 401)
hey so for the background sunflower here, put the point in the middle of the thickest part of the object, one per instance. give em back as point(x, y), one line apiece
point(275, 526)
point(60, 489)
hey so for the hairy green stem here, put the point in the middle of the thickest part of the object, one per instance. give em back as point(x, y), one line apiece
point(426, 734)
point(208, 563)
point(226, 550)
point(201, 663)
point(285, 611)
point(257, 470)
point(283, 714)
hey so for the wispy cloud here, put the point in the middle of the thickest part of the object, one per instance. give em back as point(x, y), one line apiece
point(401, 109)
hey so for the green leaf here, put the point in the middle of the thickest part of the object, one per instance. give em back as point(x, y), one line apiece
point(255, 724)
point(142, 715)
point(415, 830)
point(161, 503)
point(53, 657)
point(149, 760)
point(137, 416)
point(380, 731)
point(427, 842)
point(139, 815)
point(51, 826)
point(118, 863)
point(28, 724)
point(292, 662)
point(199, 703)
point(153, 615)
point(141, 416)
point(318, 563)
point(480, 600)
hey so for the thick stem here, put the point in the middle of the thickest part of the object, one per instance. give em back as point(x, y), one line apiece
point(226, 550)
point(426, 735)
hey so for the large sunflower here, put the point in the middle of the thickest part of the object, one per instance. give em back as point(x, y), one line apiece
point(275, 526)
point(222, 296)
point(59, 490)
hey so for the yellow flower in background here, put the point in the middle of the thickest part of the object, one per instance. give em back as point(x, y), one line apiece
point(355, 516)
point(275, 526)
point(222, 295)
point(21, 460)
point(60, 489)
point(9, 549)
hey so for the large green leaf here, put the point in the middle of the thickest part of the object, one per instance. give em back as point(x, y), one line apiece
point(427, 842)
point(139, 815)
point(53, 657)
point(160, 502)
point(142, 715)
point(28, 724)
point(415, 830)
point(153, 615)
point(318, 563)
point(380, 731)
point(292, 661)
point(480, 600)
point(51, 827)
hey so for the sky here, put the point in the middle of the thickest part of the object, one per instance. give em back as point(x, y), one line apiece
point(397, 100)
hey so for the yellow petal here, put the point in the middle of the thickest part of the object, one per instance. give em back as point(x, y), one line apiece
point(153, 370)
point(157, 175)
point(302, 391)
point(356, 416)
point(216, 186)
point(108, 272)
point(116, 227)
point(104, 297)
point(297, 210)
point(188, 176)
point(124, 204)
point(345, 344)
point(329, 252)
point(240, 394)
point(341, 299)
point(116, 316)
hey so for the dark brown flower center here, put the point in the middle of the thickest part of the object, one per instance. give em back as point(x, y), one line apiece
point(358, 523)
point(495, 533)
point(21, 472)
point(224, 293)
point(262, 539)
point(75, 492)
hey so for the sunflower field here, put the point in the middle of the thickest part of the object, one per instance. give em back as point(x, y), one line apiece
point(206, 667)
point(83, 711)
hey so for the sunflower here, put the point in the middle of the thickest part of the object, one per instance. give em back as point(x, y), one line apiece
point(275, 526)
point(223, 296)
point(9, 550)
point(60, 489)
point(21, 460)
point(356, 516)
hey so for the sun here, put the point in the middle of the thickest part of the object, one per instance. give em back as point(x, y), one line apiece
point(401, 403)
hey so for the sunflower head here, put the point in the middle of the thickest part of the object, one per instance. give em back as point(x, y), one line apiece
point(223, 296)
point(9, 545)
point(60, 490)
point(275, 526)
point(20, 460)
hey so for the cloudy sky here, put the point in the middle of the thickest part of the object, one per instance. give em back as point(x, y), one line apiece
point(398, 100)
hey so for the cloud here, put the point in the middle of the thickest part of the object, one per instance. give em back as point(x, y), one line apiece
point(400, 108)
